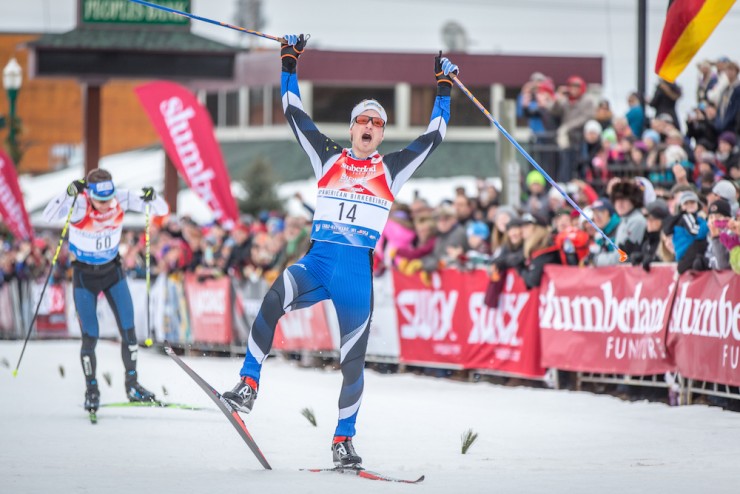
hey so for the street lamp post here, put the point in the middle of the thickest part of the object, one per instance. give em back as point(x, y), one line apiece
point(12, 80)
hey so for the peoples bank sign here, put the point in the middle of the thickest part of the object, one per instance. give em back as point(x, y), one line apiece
point(126, 12)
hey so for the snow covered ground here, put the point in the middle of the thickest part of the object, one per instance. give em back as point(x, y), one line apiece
point(531, 440)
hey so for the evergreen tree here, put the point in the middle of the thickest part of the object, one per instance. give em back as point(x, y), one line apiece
point(260, 182)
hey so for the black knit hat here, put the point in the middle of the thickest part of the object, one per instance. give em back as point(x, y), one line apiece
point(721, 207)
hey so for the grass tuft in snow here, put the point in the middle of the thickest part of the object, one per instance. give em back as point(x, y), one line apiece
point(468, 438)
point(108, 378)
point(61, 370)
point(308, 413)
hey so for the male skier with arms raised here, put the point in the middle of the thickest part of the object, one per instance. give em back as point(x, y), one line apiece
point(356, 189)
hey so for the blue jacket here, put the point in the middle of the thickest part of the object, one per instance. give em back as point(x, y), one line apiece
point(688, 229)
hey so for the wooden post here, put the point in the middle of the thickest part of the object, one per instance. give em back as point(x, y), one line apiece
point(91, 124)
point(171, 183)
point(508, 164)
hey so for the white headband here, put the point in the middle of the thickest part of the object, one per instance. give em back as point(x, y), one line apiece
point(367, 104)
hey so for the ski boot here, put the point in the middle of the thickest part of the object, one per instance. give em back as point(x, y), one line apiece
point(344, 453)
point(92, 397)
point(242, 397)
point(137, 392)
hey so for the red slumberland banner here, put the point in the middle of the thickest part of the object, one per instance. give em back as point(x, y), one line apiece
point(304, 329)
point(12, 207)
point(209, 303)
point(186, 130)
point(449, 322)
point(610, 320)
point(704, 331)
point(506, 338)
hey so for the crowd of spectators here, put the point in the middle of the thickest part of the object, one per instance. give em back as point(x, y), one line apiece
point(660, 193)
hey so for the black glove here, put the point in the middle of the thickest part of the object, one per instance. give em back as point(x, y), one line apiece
point(148, 194)
point(76, 187)
point(290, 51)
point(442, 70)
point(646, 264)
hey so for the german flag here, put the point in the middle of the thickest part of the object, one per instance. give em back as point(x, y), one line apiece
point(688, 24)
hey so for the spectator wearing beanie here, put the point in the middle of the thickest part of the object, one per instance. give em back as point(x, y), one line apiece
point(728, 155)
point(724, 189)
point(627, 198)
point(717, 255)
point(608, 220)
point(537, 198)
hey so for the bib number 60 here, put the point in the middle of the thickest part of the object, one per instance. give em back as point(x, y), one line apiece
point(102, 243)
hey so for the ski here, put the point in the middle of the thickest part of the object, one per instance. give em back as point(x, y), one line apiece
point(93, 416)
point(231, 414)
point(151, 404)
point(366, 474)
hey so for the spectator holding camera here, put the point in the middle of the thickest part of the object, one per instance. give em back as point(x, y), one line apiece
point(717, 256)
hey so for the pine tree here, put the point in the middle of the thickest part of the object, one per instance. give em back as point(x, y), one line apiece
point(259, 182)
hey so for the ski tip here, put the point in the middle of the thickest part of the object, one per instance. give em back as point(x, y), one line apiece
point(148, 342)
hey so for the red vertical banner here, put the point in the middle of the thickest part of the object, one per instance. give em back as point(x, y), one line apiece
point(612, 320)
point(187, 134)
point(12, 207)
point(506, 338)
point(704, 331)
point(304, 329)
point(427, 316)
point(52, 319)
point(209, 303)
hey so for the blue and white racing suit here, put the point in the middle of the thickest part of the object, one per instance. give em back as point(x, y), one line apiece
point(354, 200)
point(94, 238)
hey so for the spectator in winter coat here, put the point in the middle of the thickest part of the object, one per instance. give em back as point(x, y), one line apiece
point(511, 254)
point(730, 238)
point(635, 115)
point(724, 189)
point(657, 212)
point(450, 243)
point(689, 232)
point(539, 249)
point(707, 80)
point(664, 99)
point(574, 107)
point(717, 256)
point(537, 196)
point(627, 198)
point(607, 219)
point(728, 106)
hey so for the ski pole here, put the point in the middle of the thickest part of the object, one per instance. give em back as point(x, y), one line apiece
point(51, 270)
point(148, 342)
point(622, 254)
point(211, 21)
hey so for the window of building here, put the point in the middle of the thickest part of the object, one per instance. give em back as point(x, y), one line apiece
point(231, 109)
point(334, 104)
point(212, 106)
point(278, 117)
point(462, 111)
point(256, 106)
